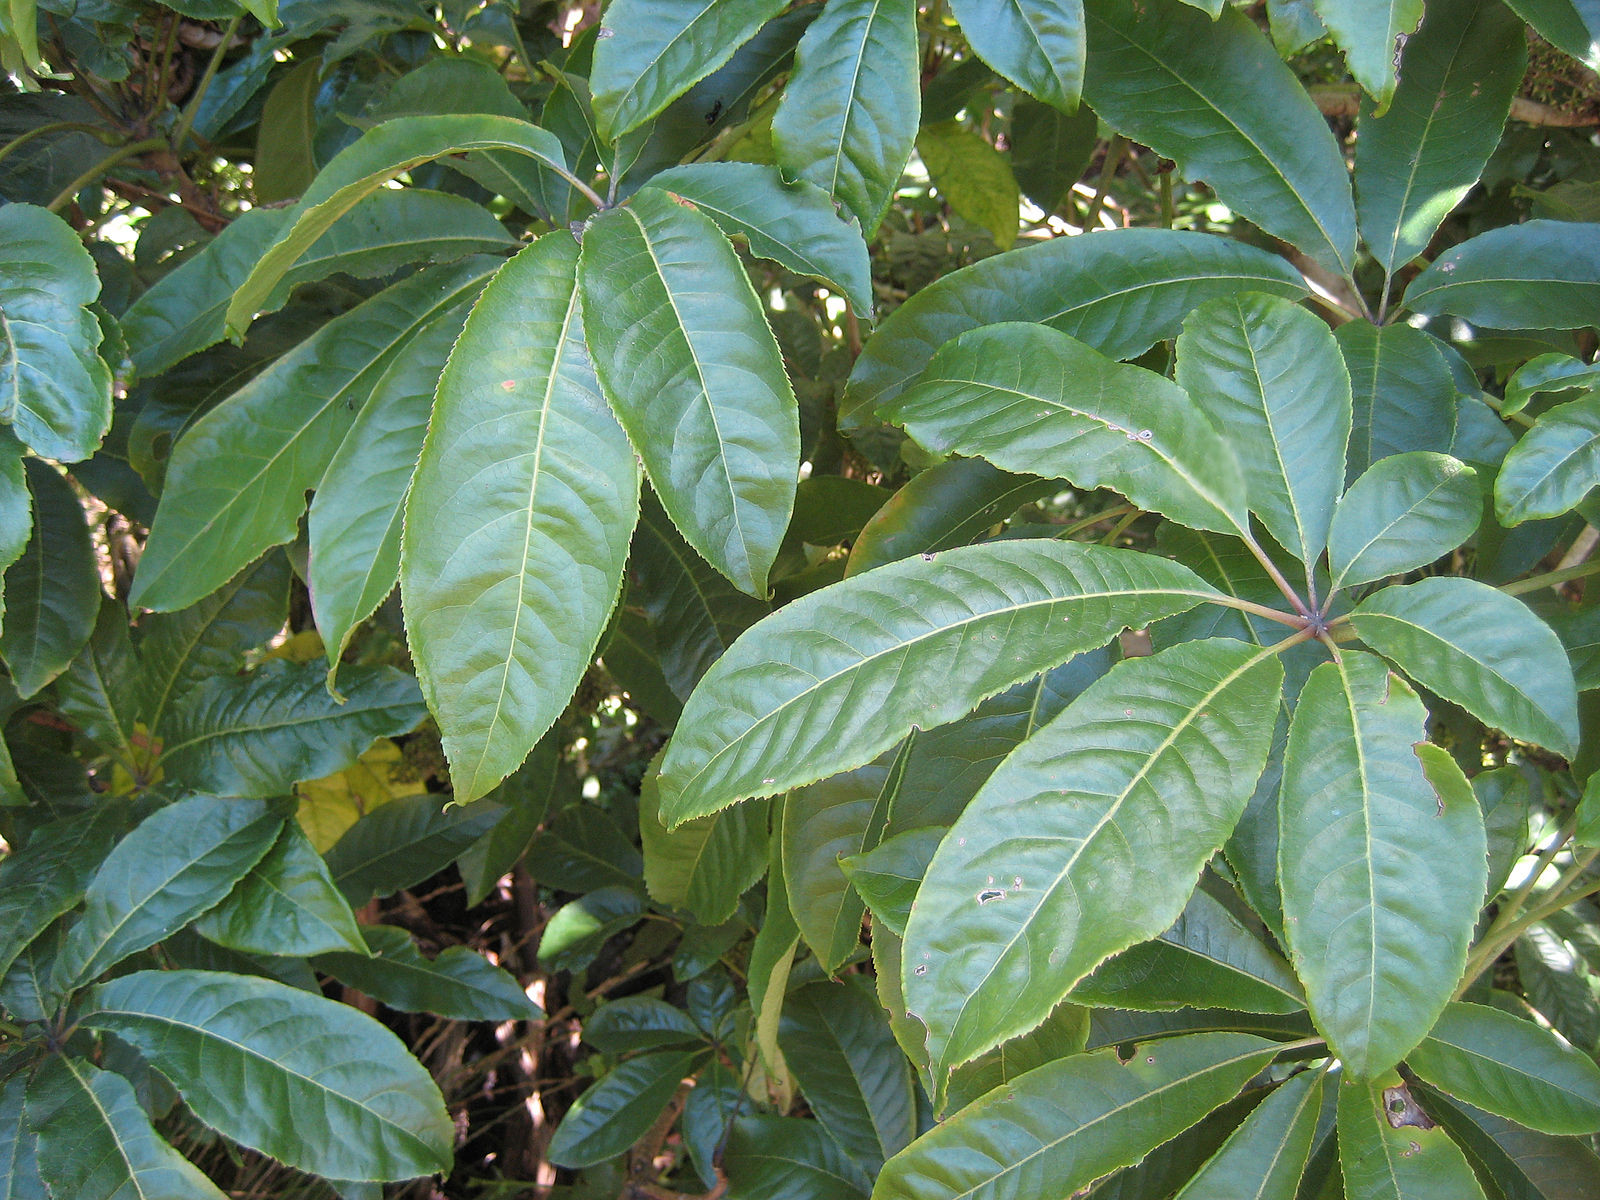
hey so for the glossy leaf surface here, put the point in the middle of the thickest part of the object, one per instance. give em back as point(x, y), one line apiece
point(1389, 1149)
point(615, 1112)
point(457, 983)
point(1537, 275)
point(1405, 511)
point(1403, 394)
point(1553, 466)
point(1038, 45)
point(518, 521)
point(52, 592)
point(1264, 1158)
point(787, 704)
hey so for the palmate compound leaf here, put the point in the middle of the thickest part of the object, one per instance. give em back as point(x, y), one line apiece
point(518, 520)
point(1120, 292)
point(1051, 869)
point(1481, 648)
point(1056, 1129)
point(693, 373)
point(1381, 860)
point(1029, 398)
point(1511, 1067)
point(313, 1083)
point(834, 679)
point(1270, 373)
point(238, 477)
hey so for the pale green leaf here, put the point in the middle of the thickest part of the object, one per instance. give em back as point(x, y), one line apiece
point(260, 733)
point(94, 1141)
point(1404, 397)
point(1457, 76)
point(1403, 512)
point(1481, 648)
point(518, 521)
point(652, 51)
point(837, 677)
point(693, 372)
point(237, 481)
point(52, 592)
point(1264, 1158)
point(286, 904)
point(55, 392)
point(1056, 1129)
point(1511, 1067)
point(1553, 466)
point(368, 164)
point(1119, 292)
point(793, 224)
point(771, 957)
point(848, 119)
point(1537, 275)
point(887, 876)
point(177, 862)
point(972, 177)
point(1382, 865)
point(703, 866)
point(1269, 373)
point(1168, 76)
point(458, 983)
point(615, 1112)
point(1372, 34)
point(330, 1090)
point(357, 513)
point(1389, 1149)
point(1048, 872)
point(1548, 373)
point(1036, 44)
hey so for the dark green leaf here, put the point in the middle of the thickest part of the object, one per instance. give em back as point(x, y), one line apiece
point(1402, 513)
point(518, 521)
point(99, 690)
point(887, 876)
point(1537, 275)
point(19, 1157)
point(1556, 986)
point(784, 706)
point(1263, 1159)
point(1547, 373)
point(703, 866)
point(783, 1158)
point(1404, 397)
point(1481, 648)
point(404, 842)
point(1553, 466)
point(260, 733)
point(1050, 150)
point(47, 875)
point(694, 374)
point(578, 930)
point(584, 848)
point(1064, 1033)
point(52, 593)
point(1523, 1164)
point(330, 1090)
point(178, 862)
point(639, 1023)
point(1036, 44)
point(614, 1113)
point(1382, 858)
point(458, 983)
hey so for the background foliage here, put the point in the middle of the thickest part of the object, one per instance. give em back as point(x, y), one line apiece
point(750, 599)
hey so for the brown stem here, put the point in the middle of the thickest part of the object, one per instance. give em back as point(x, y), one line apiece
point(1344, 100)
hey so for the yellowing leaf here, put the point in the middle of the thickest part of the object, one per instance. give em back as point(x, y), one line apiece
point(330, 805)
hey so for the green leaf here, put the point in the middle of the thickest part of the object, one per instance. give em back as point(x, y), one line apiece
point(1382, 862)
point(948, 505)
point(1389, 1149)
point(837, 1041)
point(1457, 76)
point(639, 1023)
point(822, 823)
point(1208, 959)
point(1269, 373)
point(1556, 986)
point(1537, 275)
point(284, 164)
point(652, 51)
point(1553, 466)
point(887, 876)
point(793, 224)
point(1523, 1164)
point(1065, 1124)
point(1048, 872)
point(1548, 373)
point(182, 313)
point(1038, 45)
point(1064, 1033)
point(584, 848)
point(99, 690)
point(237, 481)
point(1573, 25)
point(1029, 398)
point(694, 375)
point(1404, 397)
point(973, 178)
point(784, 1158)
point(46, 876)
point(1372, 34)
point(55, 392)
point(849, 114)
point(95, 1142)
point(1119, 292)
point(518, 521)
point(1264, 1158)
point(703, 866)
point(1050, 150)
point(260, 733)
point(1481, 648)
point(615, 1112)
point(53, 590)
point(1511, 1067)
point(178, 862)
point(367, 165)
point(286, 904)
point(771, 957)
point(356, 515)
point(403, 842)
point(527, 794)
point(784, 707)
point(331, 1091)
point(1168, 76)
point(19, 1157)
point(458, 983)
point(1405, 511)
point(179, 650)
